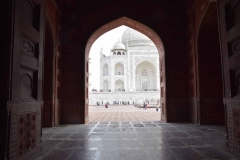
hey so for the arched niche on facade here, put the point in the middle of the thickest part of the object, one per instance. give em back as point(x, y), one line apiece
point(146, 76)
point(144, 72)
point(119, 69)
point(119, 85)
point(105, 85)
point(146, 31)
point(105, 70)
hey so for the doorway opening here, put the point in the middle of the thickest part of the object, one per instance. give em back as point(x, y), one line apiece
point(129, 73)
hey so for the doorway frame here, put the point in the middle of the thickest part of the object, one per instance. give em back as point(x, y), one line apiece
point(146, 31)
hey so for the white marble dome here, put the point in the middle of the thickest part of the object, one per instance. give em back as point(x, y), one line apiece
point(119, 45)
point(132, 37)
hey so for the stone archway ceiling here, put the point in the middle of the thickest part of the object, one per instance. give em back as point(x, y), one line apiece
point(74, 4)
point(85, 15)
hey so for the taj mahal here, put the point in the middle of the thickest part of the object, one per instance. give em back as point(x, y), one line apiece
point(131, 73)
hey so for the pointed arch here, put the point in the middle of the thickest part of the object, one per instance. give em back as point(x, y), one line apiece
point(140, 28)
point(130, 23)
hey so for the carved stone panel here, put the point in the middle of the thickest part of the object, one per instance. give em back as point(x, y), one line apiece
point(29, 47)
point(234, 47)
point(28, 84)
point(235, 82)
point(232, 9)
point(30, 12)
point(25, 130)
point(233, 124)
point(229, 18)
point(236, 123)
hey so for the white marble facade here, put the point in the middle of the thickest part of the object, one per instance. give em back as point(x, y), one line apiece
point(131, 69)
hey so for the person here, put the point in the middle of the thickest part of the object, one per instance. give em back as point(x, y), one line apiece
point(146, 106)
point(128, 103)
point(106, 106)
point(157, 107)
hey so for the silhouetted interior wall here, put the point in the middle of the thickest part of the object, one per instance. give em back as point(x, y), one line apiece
point(53, 66)
point(203, 28)
point(183, 30)
point(195, 12)
point(210, 86)
point(167, 20)
point(5, 48)
point(48, 78)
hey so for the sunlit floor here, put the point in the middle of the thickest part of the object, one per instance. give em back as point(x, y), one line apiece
point(135, 139)
point(120, 113)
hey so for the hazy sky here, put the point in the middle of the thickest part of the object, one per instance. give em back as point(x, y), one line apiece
point(106, 42)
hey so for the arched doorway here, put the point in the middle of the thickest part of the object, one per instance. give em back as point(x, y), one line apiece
point(105, 86)
point(209, 71)
point(141, 28)
point(146, 76)
point(119, 69)
point(119, 85)
point(105, 70)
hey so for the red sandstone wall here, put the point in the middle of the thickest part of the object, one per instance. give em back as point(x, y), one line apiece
point(53, 15)
point(5, 64)
point(167, 20)
point(195, 14)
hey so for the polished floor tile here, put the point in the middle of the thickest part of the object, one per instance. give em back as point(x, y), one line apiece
point(110, 141)
point(141, 138)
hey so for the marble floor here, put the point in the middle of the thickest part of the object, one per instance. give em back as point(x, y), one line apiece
point(134, 140)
